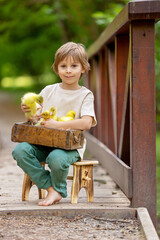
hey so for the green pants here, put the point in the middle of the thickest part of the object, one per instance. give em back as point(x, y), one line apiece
point(29, 156)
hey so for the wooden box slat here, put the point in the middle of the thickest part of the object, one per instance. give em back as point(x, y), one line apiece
point(66, 139)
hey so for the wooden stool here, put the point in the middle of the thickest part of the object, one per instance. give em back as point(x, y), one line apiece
point(82, 178)
point(27, 184)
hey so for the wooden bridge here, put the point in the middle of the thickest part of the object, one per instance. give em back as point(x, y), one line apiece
point(122, 78)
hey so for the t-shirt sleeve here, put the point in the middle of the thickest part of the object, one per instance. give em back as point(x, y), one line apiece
point(87, 108)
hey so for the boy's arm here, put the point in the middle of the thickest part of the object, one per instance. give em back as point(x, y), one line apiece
point(84, 123)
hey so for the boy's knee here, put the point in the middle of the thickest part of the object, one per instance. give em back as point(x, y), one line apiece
point(19, 150)
point(57, 160)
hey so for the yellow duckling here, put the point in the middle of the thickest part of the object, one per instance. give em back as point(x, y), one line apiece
point(45, 116)
point(53, 112)
point(31, 100)
point(69, 116)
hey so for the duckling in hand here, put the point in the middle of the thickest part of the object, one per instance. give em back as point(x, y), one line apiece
point(53, 112)
point(31, 100)
point(45, 116)
point(69, 116)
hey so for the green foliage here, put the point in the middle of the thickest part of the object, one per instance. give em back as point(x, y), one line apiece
point(32, 30)
point(157, 47)
point(158, 172)
point(104, 18)
point(27, 32)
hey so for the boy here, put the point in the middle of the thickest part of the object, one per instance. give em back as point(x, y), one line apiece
point(70, 64)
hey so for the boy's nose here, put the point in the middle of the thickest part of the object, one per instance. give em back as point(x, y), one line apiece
point(68, 69)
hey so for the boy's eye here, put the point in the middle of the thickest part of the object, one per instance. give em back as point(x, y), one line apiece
point(63, 66)
point(74, 65)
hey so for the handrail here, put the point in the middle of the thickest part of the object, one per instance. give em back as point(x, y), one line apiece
point(122, 78)
point(134, 10)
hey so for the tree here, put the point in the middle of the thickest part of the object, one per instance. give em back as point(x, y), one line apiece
point(32, 30)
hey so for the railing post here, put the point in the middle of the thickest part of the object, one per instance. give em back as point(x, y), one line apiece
point(142, 115)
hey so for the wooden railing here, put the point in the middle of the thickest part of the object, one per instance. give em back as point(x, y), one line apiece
point(122, 78)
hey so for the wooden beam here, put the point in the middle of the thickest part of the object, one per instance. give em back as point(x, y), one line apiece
point(124, 125)
point(112, 93)
point(98, 95)
point(124, 146)
point(133, 10)
point(117, 169)
point(139, 10)
point(103, 94)
point(122, 53)
point(92, 84)
point(143, 116)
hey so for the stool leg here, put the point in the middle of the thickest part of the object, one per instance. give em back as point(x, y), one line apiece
point(89, 191)
point(76, 184)
point(42, 193)
point(27, 184)
point(87, 176)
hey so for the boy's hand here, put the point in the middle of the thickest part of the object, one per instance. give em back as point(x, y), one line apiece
point(24, 107)
point(50, 123)
point(84, 123)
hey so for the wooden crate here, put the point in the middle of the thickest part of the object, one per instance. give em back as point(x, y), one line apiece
point(66, 139)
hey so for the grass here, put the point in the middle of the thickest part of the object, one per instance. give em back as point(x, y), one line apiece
point(158, 177)
point(158, 172)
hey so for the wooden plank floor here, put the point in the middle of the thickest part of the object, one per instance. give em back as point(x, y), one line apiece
point(106, 193)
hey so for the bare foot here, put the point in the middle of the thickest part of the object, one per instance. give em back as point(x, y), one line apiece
point(52, 197)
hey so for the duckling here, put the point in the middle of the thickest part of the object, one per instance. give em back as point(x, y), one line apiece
point(45, 115)
point(30, 100)
point(53, 112)
point(69, 116)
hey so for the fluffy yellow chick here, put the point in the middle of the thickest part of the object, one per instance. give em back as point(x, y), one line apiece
point(30, 100)
point(53, 112)
point(45, 115)
point(69, 116)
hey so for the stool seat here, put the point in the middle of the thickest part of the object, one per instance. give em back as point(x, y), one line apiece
point(86, 162)
point(82, 178)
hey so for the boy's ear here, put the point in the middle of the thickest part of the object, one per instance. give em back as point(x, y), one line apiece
point(83, 70)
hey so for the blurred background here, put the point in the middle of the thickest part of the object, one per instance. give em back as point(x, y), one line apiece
point(30, 33)
point(32, 30)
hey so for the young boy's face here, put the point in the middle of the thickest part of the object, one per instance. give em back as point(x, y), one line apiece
point(70, 70)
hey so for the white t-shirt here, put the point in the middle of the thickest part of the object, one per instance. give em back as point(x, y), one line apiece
point(81, 101)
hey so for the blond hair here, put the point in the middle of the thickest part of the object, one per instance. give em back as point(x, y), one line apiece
point(71, 49)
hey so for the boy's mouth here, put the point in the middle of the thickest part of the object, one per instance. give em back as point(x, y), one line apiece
point(68, 76)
